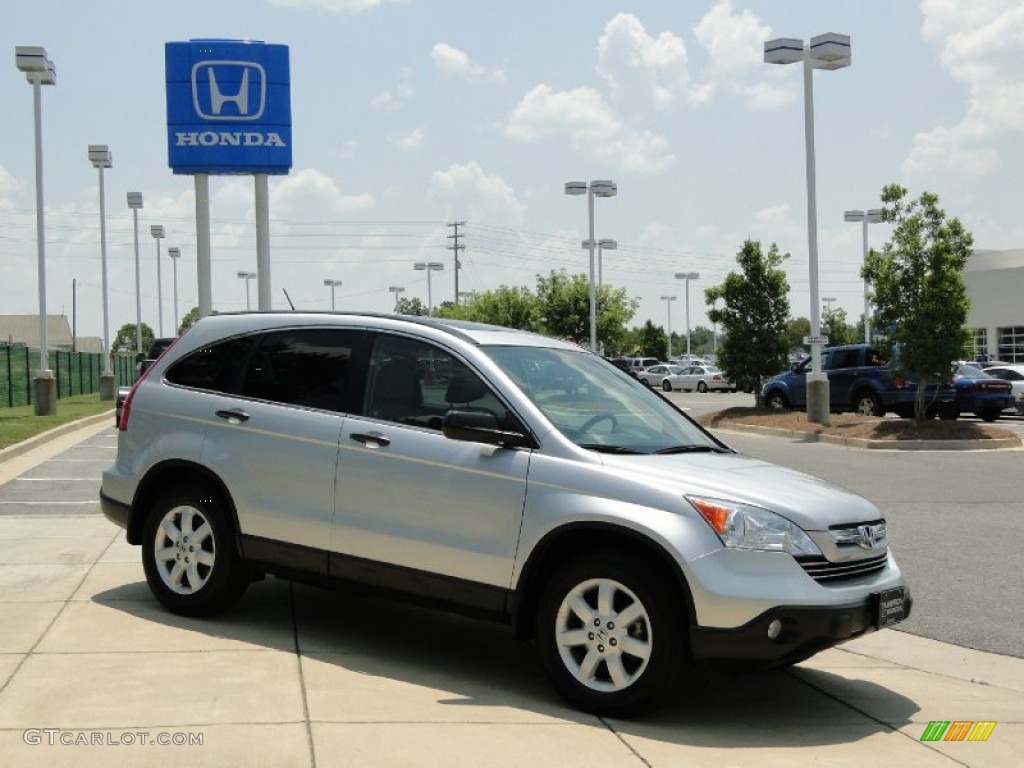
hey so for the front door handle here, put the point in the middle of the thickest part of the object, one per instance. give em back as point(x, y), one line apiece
point(234, 416)
point(371, 440)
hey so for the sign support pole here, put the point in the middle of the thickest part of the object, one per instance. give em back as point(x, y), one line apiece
point(263, 241)
point(203, 280)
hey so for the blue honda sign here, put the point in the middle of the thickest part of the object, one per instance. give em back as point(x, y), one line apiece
point(228, 107)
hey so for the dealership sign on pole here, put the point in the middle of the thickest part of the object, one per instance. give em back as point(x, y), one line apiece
point(228, 107)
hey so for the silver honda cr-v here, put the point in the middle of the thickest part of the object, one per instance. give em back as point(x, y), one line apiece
point(498, 473)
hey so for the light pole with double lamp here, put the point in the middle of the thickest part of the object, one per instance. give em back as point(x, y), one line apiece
point(40, 71)
point(175, 254)
point(101, 159)
point(396, 289)
point(157, 231)
point(828, 51)
point(871, 216)
point(668, 303)
point(606, 244)
point(429, 266)
point(332, 284)
point(135, 203)
point(247, 276)
point(596, 188)
point(687, 276)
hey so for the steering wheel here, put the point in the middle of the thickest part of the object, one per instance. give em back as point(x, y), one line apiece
point(585, 426)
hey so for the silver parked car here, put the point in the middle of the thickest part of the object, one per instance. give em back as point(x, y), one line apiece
point(493, 472)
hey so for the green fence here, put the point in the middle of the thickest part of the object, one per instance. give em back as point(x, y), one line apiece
point(77, 373)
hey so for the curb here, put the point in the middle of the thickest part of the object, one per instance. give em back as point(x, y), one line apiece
point(44, 437)
point(1004, 444)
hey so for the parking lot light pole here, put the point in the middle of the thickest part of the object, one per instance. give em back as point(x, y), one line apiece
point(828, 51)
point(247, 276)
point(687, 276)
point(332, 284)
point(668, 303)
point(135, 203)
point(101, 159)
point(175, 254)
point(871, 216)
point(40, 71)
point(596, 188)
point(429, 266)
point(605, 244)
point(396, 289)
point(157, 231)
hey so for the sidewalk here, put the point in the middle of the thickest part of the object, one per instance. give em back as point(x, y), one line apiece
point(295, 676)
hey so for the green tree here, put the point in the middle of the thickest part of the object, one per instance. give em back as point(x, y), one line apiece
point(188, 320)
point(124, 341)
point(796, 329)
point(835, 327)
point(653, 341)
point(564, 309)
point(505, 306)
point(918, 288)
point(411, 306)
point(753, 317)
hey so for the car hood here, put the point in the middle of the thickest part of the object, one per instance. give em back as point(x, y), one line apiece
point(810, 502)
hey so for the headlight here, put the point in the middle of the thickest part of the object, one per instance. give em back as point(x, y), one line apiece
point(741, 526)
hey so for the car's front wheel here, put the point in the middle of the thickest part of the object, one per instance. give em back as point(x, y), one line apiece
point(611, 636)
point(702, 387)
point(188, 552)
point(776, 401)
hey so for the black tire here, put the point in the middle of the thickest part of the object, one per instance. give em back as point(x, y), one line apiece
point(666, 385)
point(866, 403)
point(776, 401)
point(949, 413)
point(628, 668)
point(990, 414)
point(189, 552)
point(904, 410)
point(702, 387)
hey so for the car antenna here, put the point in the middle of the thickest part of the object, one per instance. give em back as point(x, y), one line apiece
point(289, 299)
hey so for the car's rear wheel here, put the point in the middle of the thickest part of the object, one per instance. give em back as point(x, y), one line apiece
point(866, 403)
point(776, 401)
point(611, 636)
point(188, 552)
point(666, 385)
point(990, 414)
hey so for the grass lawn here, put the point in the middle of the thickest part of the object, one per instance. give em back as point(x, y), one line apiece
point(21, 423)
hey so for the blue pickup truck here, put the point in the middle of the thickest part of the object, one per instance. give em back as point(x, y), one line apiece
point(861, 380)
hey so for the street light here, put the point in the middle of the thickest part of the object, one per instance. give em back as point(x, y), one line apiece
point(175, 254)
point(687, 276)
point(597, 188)
point(135, 203)
point(871, 216)
point(828, 51)
point(396, 289)
point(247, 276)
point(602, 246)
point(429, 266)
point(668, 303)
point(101, 158)
point(157, 231)
point(332, 284)
point(40, 71)
point(827, 301)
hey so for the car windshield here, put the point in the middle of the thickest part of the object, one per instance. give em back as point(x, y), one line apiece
point(598, 407)
point(970, 372)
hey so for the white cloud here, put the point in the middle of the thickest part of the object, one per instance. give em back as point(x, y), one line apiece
point(452, 61)
point(412, 141)
point(332, 6)
point(389, 101)
point(309, 193)
point(982, 44)
point(8, 184)
point(591, 126)
point(636, 65)
point(475, 194)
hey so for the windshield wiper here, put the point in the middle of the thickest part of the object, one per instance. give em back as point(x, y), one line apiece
point(691, 449)
point(604, 448)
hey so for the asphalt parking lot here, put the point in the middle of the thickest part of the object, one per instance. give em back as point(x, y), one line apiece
point(94, 672)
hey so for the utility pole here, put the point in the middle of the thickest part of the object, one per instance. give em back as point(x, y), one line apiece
point(74, 314)
point(456, 247)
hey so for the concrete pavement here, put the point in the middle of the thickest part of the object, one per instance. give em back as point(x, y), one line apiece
point(295, 676)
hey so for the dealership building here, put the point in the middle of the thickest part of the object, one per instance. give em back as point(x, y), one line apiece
point(995, 285)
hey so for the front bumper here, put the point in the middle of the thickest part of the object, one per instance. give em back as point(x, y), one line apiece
point(805, 630)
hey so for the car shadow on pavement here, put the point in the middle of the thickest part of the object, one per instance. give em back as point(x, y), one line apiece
point(364, 656)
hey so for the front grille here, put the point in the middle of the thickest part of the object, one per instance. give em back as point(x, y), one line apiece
point(821, 570)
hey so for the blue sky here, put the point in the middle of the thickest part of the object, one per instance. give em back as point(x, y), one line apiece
point(411, 114)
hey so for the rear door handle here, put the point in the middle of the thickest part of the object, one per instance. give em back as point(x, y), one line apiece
point(371, 440)
point(234, 416)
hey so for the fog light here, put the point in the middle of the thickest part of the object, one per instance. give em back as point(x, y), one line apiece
point(774, 629)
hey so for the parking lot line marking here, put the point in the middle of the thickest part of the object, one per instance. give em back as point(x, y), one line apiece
point(92, 501)
point(54, 479)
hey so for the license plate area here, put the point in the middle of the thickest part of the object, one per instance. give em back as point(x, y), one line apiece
point(890, 607)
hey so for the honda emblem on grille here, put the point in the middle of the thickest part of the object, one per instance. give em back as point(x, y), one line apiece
point(870, 535)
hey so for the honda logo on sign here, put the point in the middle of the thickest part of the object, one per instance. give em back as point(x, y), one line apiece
point(229, 90)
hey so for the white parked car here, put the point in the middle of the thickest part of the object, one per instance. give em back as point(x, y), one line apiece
point(703, 378)
point(656, 374)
